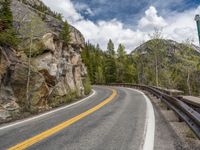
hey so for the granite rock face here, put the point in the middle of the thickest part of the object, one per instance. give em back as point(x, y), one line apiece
point(57, 71)
point(61, 66)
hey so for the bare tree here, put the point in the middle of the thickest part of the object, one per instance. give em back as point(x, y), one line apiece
point(156, 45)
point(31, 29)
point(189, 67)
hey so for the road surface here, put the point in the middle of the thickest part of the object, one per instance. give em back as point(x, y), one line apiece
point(112, 118)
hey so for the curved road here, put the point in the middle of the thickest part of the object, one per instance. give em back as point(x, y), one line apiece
point(113, 118)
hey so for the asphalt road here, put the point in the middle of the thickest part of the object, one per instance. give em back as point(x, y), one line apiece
point(125, 121)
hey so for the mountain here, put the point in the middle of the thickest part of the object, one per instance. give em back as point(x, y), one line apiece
point(57, 74)
point(170, 45)
point(168, 64)
point(196, 48)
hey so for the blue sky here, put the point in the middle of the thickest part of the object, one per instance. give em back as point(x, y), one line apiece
point(130, 22)
point(129, 11)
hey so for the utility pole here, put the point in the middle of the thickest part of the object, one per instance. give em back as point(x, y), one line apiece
point(197, 19)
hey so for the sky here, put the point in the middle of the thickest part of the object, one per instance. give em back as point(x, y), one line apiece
point(130, 22)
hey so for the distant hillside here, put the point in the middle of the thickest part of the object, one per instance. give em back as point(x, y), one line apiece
point(169, 64)
point(170, 45)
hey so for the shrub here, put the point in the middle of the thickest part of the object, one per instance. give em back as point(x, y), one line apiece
point(7, 32)
point(8, 37)
point(87, 85)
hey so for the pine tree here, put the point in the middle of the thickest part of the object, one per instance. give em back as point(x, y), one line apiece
point(59, 16)
point(65, 33)
point(99, 76)
point(110, 70)
point(7, 32)
point(104, 67)
point(111, 48)
point(121, 63)
point(6, 14)
point(121, 51)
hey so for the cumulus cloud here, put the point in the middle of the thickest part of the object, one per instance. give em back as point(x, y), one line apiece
point(182, 26)
point(102, 31)
point(178, 26)
point(66, 8)
point(82, 7)
point(151, 20)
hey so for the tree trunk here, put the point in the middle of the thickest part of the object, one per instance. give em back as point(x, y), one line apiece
point(188, 82)
point(156, 59)
point(138, 74)
point(28, 76)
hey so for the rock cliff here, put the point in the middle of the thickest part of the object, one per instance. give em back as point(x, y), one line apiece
point(57, 72)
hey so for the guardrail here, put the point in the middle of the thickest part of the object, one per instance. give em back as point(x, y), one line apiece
point(172, 92)
point(183, 110)
point(190, 100)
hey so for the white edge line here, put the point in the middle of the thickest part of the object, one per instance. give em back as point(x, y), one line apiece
point(149, 133)
point(49, 112)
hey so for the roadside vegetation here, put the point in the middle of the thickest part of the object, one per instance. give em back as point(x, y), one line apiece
point(158, 62)
point(87, 85)
point(109, 66)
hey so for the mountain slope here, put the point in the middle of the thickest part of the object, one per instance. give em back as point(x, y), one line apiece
point(170, 45)
point(169, 64)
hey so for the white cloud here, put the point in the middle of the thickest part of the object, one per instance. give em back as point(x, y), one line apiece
point(66, 8)
point(151, 20)
point(178, 26)
point(102, 31)
point(182, 26)
point(84, 8)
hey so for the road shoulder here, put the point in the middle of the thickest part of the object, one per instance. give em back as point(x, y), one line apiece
point(168, 125)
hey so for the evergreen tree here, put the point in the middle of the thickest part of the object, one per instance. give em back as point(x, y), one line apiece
point(59, 16)
point(121, 51)
point(110, 70)
point(99, 75)
point(65, 33)
point(104, 67)
point(7, 32)
point(121, 64)
point(111, 48)
point(6, 14)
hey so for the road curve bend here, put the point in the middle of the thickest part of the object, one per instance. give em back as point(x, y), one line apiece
point(113, 118)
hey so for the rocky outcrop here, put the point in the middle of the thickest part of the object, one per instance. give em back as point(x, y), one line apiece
point(13, 81)
point(61, 66)
point(7, 99)
point(57, 71)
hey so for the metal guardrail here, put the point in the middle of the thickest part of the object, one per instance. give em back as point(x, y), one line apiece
point(190, 100)
point(183, 110)
point(172, 92)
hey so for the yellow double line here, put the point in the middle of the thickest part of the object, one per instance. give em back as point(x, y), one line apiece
point(27, 143)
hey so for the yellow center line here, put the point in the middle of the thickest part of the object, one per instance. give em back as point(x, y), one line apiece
point(27, 143)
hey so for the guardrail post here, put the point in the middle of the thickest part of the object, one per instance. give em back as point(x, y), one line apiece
point(180, 119)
